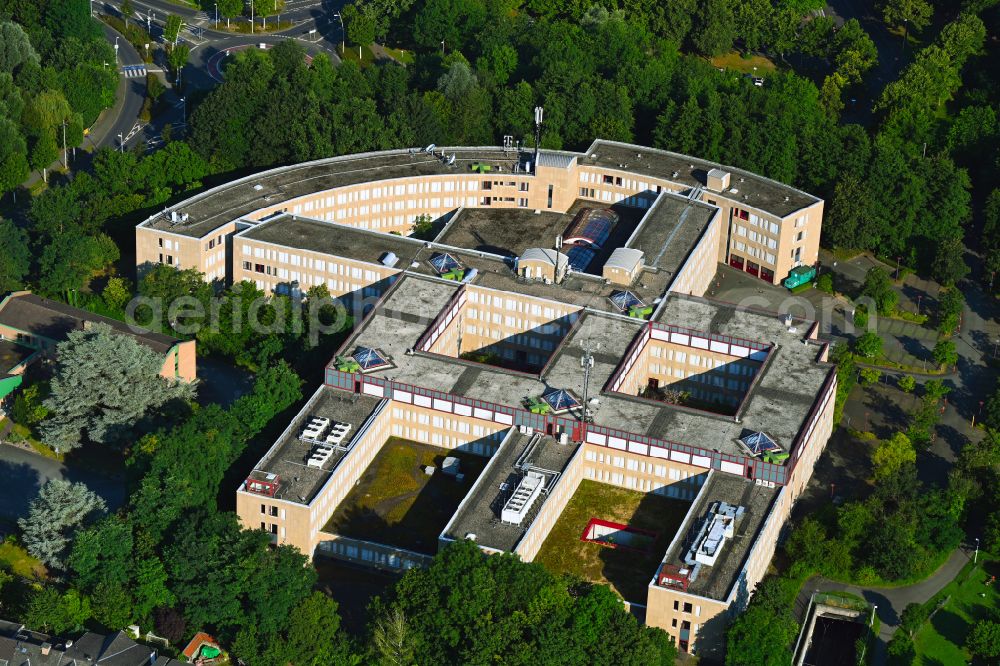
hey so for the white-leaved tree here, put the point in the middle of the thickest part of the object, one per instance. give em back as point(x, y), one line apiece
point(54, 516)
point(104, 384)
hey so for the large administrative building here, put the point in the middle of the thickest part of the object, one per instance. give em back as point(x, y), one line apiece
point(538, 372)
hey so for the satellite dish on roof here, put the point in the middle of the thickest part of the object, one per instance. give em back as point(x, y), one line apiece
point(451, 160)
point(430, 148)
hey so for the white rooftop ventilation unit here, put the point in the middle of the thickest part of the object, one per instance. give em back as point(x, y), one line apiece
point(531, 486)
point(389, 259)
point(719, 526)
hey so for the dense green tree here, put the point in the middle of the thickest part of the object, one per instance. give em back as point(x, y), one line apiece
point(752, 18)
point(949, 265)
point(869, 345)
point(907, 383)
point(878, 287)
point(111, 605)
point(15, 47)
point(715, 27)
point(105, 384)
point(912, 617)
point(543, 615)
point(15, 256)
point(915, 13)
point(949, 312)
point(103, 553)
point(56, 613)
point(68, 263)
point(944, 353)
point(54, 515)
point(764, 633)
point(361, 26)
point(892, 454)
point(172, 28)
point(984, 639)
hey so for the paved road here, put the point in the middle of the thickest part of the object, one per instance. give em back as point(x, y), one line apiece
point(123, 117)
point(890, 600)
point(22, 474)
point(891, 59)
point(316, 24)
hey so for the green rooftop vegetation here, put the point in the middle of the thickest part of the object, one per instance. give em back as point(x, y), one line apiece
point(397, 504)
point(627, 571)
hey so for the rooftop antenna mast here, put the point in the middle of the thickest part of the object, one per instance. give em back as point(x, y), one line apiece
point(539, 111)
point(586, 362)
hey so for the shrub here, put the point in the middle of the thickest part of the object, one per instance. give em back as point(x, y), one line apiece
point(825, 283)
point(907, 383)
point(868, 345)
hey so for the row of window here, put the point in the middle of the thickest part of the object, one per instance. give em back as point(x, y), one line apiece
point(643, 466)
point(521, 305)
point(366, 554)
point(444, 423)
point(558, 328)
point(675, 491)
point(756, 253)
point(756, 237)
point(523, 339)
point(218, 240)
point(332, 267)
point(618, 181)
point(690, 358)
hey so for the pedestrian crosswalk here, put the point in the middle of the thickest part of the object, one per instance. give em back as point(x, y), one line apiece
point(133, 71)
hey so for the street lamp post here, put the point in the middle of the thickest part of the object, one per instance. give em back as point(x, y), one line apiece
point(975, 557)
point(343, 32)
point(442, 48)
point(184, 110)
point(116, 50)
point(121, 142)
point(216, 16)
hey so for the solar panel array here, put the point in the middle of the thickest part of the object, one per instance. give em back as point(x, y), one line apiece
point(625, 300)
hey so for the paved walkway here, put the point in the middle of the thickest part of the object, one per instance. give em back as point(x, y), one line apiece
point(890, 601)
point(23, 473)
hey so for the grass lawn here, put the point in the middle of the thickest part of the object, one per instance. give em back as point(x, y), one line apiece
point(351, 53)
point(736, 62)
point(402, 55)
point(15, 559)
point(20, 433)
point(395, 503)
point(940, 640)
point(628, 572)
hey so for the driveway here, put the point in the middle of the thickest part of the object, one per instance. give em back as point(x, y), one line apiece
point(890, 601)
point(23, 473)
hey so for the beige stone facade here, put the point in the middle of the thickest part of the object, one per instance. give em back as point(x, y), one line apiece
point(748, 235)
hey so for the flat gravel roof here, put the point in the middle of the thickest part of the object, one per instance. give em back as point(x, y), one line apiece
point(779, 403)
point(715, 582)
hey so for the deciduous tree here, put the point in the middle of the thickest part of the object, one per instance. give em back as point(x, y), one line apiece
point(15, 256)
point(892, 454)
